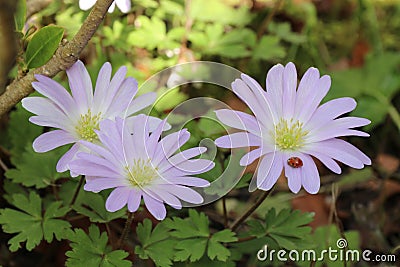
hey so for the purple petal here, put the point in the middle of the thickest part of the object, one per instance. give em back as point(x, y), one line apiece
point(293, 176)
point(329, 111)
point(140, 136)
point(98, 184)
point(239, 120)
point(242, 90)
point(261, 97)
point(315, 97)
point(141, 102)
point(340, 150)
point(331, 132)
point(310, 176)
point(327, 161)
point(169, 144)
point(274, 83)
point(306, 86)
point(155, 207)
point(240, 139)
point(269, 170)
point(113, 88)
point(88, 168)
point(101, 90)
point(62, 164)
point(251, 157)
point(289, 90)
point(152, 141)
point(52, 121)
point(102, 152)
point(191, 167)
point(165, 196)
point(81, 86)
point(188, 181)
point(117, 199)
point(112, 7)
point(185, 193)
point(126, 92)
point(86, 4)
point(134, 200)
point(123, 5)
point(43, 106)
point(56, 93)
point(184, 155)
point(96, 160)
point(50, 140)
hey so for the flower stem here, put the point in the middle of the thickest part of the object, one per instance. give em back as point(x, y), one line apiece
point(251, 209)
point(126, 230)
point(76, 193)
point(225, 212)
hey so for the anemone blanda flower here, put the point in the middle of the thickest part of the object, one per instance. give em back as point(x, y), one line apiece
point(123, 5)
point(77, 116)
point(137, 164)
point(289, 126)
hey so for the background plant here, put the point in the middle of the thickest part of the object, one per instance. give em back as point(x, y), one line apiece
point(47, 219)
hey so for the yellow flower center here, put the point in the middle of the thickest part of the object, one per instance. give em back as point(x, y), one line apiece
point(141, 173)
point(86, 126)
point(289, 135)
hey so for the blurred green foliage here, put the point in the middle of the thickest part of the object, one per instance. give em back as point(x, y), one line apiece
point(354, 41)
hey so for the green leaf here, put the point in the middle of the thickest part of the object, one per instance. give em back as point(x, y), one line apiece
point(92, 205)
point(325, 238)
point(269, 48)
point(220, 12)
point(43, 45)
point(287, 228)
point(228, 178)
point(194, 226)
point(215, 41)
point(191, 249)
point(216, 249)
point(37, 169)
point(170, 99)
point(355, 177)
point(150, 34)
point(284, 31)
point(92, 250)
point(70, 20)
point(20, 15)
point(196, 237)
point(29, 223)
point(21, 132)
point(156, 244)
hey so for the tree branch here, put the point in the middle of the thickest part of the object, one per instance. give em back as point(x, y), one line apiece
point(66, 55)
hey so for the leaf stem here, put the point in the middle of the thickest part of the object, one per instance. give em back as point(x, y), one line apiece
point(76, 193)
point(125, 232)
point(251, 209)
point(3, 165)
point(225, 212)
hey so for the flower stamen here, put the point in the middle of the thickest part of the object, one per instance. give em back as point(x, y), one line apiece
point(141, 173)
point(86, 126)
point(289, 135)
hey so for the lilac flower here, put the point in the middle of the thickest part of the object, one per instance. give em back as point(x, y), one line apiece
point(138, 165)
point(289, 126)
point(123, 5)
point(77, 116)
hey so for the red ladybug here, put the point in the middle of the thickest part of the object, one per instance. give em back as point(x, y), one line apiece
point(295, 162)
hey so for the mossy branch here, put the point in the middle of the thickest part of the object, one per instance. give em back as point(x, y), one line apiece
point(66, 55)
